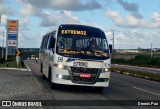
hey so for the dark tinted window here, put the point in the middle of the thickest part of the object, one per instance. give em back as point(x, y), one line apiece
point(84, 42)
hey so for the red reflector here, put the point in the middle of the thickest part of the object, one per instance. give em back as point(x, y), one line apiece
point(83, 75)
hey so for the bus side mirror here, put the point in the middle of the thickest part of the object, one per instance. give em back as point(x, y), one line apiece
point(110, 48)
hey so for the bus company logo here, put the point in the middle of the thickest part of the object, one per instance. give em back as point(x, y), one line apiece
point(6, 103)
point(60, 59)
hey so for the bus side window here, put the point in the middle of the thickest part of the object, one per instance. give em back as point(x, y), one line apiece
point(51, 42)
point(42, 43)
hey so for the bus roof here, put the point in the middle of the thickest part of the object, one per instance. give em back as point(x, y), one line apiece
point(76, 26)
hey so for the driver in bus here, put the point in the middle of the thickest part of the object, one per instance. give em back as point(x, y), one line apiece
point(93, 45)
point(60, 45)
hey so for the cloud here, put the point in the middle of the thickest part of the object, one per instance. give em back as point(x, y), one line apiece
point(66, 17)
point(74, 5)
point(132, 38)
point(114, 15)
point(131, 7)
point(23, 24)
point(6, 10)
point(48, 17)
point(2, 10)
point(47, 20)
point(156, 17)
point(131, 21)
point(71, 5)
point(4, 19)
point(29, 10)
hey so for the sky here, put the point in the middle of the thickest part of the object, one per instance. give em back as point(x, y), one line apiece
point(136, 23)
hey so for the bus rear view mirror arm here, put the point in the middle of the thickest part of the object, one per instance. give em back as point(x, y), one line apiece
point(52, 50)
point(110, 47)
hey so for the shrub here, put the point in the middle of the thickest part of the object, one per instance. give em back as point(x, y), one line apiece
point(2, 60)
point(140, 60)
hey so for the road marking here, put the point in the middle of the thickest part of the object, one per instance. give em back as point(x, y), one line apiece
point(156, 69)
point(146, 91)
point(27, 66)
point(136, 77)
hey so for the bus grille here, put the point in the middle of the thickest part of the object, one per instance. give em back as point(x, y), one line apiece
point(76, 74)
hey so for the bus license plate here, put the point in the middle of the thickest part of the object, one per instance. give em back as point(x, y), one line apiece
point(84, 75)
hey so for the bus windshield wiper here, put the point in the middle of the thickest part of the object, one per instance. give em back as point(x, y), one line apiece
point(98, 52)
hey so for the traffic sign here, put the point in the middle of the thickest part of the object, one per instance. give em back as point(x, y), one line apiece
point(18, 52)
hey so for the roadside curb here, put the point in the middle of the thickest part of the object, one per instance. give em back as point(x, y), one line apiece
point(142, 75)
point(151, 68)
point(136, 77)
point(5, 68)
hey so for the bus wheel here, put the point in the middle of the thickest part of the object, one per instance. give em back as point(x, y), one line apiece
point(43, 77)
point(99, 89)
point(41, 69)
point(53, 85)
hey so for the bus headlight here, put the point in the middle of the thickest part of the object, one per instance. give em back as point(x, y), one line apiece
point(107, 70)
point(60, 66)
point(60, 76)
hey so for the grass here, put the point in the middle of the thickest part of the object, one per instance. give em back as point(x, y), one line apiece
point(141, 60)
point(12, 63)
point(139, 74)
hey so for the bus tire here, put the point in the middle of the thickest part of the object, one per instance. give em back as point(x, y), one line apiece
point(41, 68)
point(53, 85)
point(43, 77)
point(99, 89)
point(49, 75)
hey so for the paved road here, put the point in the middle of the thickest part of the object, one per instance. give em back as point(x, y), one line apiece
point(145, 69)
point(18, 85)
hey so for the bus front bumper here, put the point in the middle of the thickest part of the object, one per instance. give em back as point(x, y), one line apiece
point(61, 76)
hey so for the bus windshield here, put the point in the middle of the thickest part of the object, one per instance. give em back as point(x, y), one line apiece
point(80, 43)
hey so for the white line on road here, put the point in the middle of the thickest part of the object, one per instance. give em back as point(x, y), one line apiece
point(137, 67)
point(146, 91)
point(137, 78)
point(27, 66)
point(14, 69)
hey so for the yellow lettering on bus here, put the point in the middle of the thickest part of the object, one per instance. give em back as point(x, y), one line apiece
point(78, 32)
point(62, 31)
point(74, 31)
point(81, 32)
point(65, 32)
point(85, 33)
point(71, 31)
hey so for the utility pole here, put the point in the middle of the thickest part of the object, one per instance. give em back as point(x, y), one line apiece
point(113, 43)
point(2, 44)
point(151, 50)
point(113, 38)
point(3, 37)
